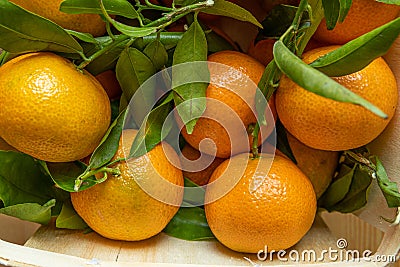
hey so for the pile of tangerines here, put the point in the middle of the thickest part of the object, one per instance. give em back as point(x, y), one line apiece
point(56, 113)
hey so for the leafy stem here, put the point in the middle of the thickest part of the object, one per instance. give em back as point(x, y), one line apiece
point(270, 80)
point(118, 40)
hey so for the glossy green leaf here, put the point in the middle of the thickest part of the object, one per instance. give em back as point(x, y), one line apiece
point(315, 81)
point(357, 195)
point(108, 146)
point(132, 70)
point(217, 43)
point(332, 12)
point(132, 31)
point(277, 21)
point(114, 7)
point(65, 173)
point(32, 212)
point(153, 130)
point(193, 194)
point(86, 37)
point(23, 31)
point(358, 53)
point(190, 81)
point(388, 188)
point(189, 224)
point(107, 60)
point(157, 54)
point(338, 189)
point(22, 180)
point(344, 9)
point(69, 219)
point(229, 9)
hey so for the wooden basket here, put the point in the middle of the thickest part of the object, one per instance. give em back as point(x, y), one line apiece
point(56, 247)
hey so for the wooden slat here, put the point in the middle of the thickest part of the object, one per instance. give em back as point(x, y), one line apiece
point(162, 248)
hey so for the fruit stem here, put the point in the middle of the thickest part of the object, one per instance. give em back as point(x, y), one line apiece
point(89, 173)
point(156, 7)
point(178, 13)
point(87, 60)
point(254, 134)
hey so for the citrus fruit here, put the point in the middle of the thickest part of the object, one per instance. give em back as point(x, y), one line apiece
point(88, 23)
point(325, 124)
point(51, 110)
point(262, 50)
point(119, 208)
point(363, 16)
point(230, 106)
point(273, 203)
point(109, 81)
point(318, 165)
point(196, 166)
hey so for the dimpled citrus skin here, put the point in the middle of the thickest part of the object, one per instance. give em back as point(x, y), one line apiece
point(235, 88)
point(49, 109)
point(326, 124)
point(88, 23)
point(118, 208)
point(363, 16)
point(267, 207)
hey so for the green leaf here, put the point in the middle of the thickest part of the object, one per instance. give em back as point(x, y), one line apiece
point(23, 31)
point(190, 81)
point(332, 12)
point(193, 194)
point(65, 173)
point(357, 196)
point(216, 43)
point(338, 189)
point(157, 54)
point(108, 146)
point(132, 70)
point(22, 180)
point(229, 9)
point(69, 219)
point(107, 60)
point(277, 21)
point(315, 81)
point(132, 31)
point(344, 9)
point(86, 37)
point(32, 212)
point(189, 224)
point(114, 7)
point(153, 130)
point(358, 53)
point(388, 188)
